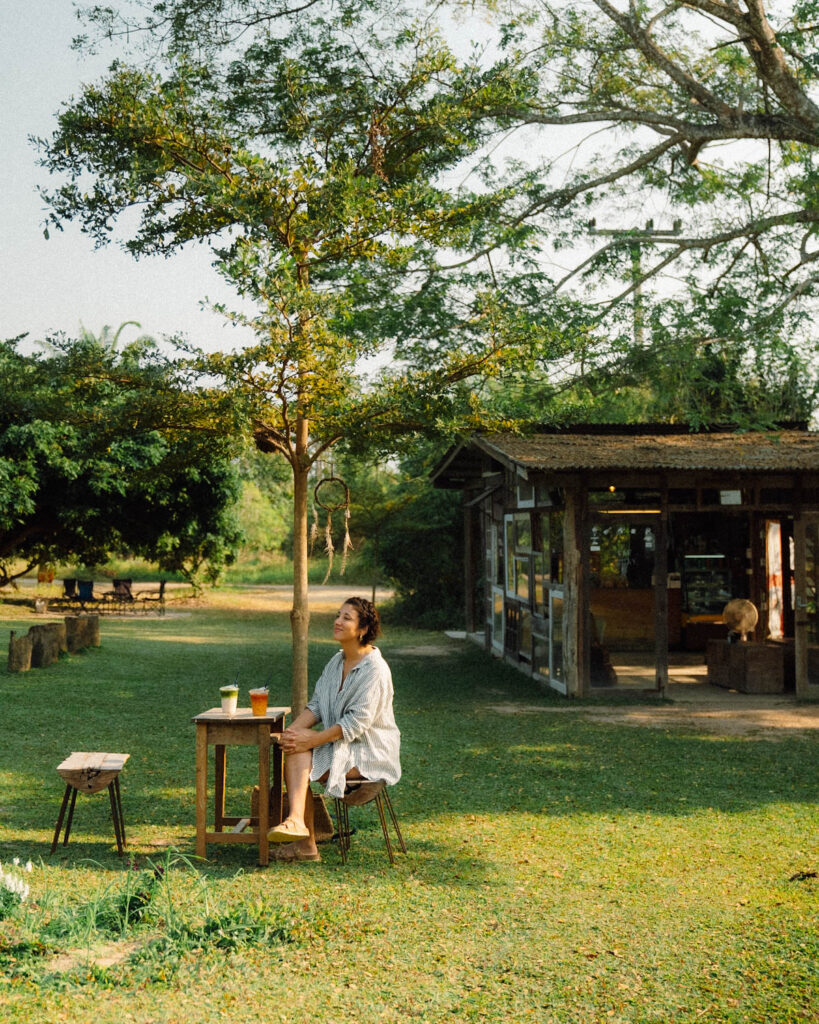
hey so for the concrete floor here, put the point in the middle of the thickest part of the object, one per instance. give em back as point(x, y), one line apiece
point(636, 668)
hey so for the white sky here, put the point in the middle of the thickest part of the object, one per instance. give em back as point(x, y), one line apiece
point(63, 282)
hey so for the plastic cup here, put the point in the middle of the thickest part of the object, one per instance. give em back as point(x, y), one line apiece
point(230, 697)
point(258, 702)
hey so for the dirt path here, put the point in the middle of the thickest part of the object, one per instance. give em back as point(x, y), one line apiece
point(703, 708)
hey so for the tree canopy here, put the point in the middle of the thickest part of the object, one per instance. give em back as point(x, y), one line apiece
point(307, 148)
point(702, 112)
point(345, 165)
point(98, 457)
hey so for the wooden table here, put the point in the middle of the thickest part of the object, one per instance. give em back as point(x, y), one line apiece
point(243, 728)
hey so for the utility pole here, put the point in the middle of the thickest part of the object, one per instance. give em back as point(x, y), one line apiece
point(635, 238)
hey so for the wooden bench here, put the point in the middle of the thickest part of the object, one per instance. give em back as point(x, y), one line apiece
point(89, 772)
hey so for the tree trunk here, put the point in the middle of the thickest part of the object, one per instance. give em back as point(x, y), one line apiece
point(300, 612)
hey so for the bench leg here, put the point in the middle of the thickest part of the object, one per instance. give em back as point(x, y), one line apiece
point(118, 795)
point(388, 802)
point(116, 816)
point(343, 829)
point(379, 803)
point(60, 817)
point(70, 816)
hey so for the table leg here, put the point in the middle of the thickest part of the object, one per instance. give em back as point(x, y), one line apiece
point(220, 766)
point(264, 793)
point(278, 779)
point(201, 788)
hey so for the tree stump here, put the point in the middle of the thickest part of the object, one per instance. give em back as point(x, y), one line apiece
point(93, 630)
point(59, 632)
point(45, 644)
point(82, 631)
point(19, 653)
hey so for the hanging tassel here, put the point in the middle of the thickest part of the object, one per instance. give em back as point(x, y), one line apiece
point(314, 529)
point(348, 544)
point(328, 546)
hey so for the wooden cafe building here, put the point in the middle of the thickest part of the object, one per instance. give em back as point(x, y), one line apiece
point(581, 543)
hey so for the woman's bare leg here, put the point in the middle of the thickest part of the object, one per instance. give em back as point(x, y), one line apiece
point(300, 799)
point(297, 778)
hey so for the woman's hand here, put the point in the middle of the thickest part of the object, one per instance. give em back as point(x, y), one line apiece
point(297, 740)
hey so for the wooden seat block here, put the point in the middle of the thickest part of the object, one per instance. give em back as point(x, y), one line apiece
point(91, 771)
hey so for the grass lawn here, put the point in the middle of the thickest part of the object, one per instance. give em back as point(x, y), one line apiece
point(560, 870)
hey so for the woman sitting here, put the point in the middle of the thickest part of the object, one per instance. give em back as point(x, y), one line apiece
point(359, 742)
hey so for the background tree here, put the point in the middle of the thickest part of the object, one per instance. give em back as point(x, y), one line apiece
point(664, 88)
point(306, 150)
point(422, 547)
point(706, 359)
point(665, 154)
point(266, 503)
point(106, 452)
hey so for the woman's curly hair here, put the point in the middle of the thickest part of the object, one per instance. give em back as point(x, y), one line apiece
point(368, 618)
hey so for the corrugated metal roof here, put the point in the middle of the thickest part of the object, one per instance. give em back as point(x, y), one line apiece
point(784, 451)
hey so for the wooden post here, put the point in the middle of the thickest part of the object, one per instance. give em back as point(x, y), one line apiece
point(469, 570)
point(575, 612)
point(800, 618)
point(759, 587)
point(661, 603)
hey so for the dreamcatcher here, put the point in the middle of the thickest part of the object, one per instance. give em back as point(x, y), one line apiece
point(334, 489)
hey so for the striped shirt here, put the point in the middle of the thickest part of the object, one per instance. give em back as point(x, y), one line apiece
point(362, 706)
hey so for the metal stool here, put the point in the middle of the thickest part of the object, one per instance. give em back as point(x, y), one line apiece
point(91, 772)
point(380, 797)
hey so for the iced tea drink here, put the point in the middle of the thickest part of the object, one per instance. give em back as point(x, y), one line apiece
point(258, 701)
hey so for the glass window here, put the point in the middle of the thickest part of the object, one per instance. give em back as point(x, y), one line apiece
point(556, 546)
point(518, 534)
point(557, 637)
point(540, 656)
point(523, 586)
point(525, 636)
point(509, 538)
point(526, 493)
point(523, 532)
point(541, 584)
point(543, 495)
point(497, 618)
point(542, 531)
